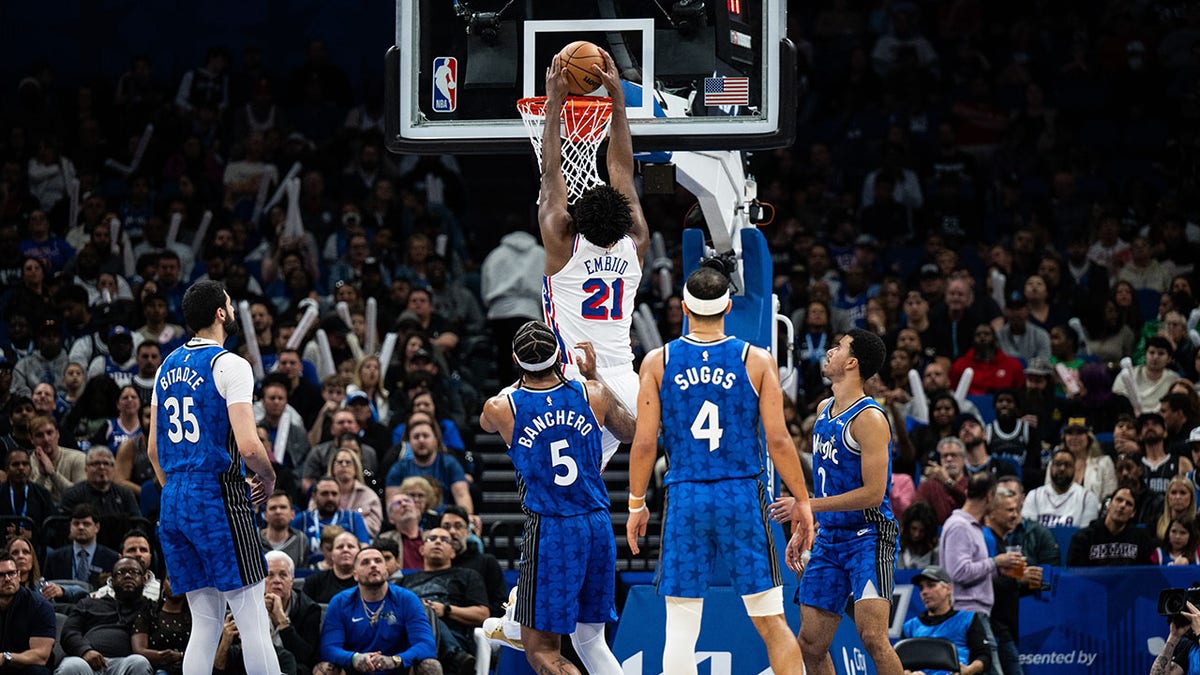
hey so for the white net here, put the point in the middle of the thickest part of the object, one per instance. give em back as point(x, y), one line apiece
point(585, 122)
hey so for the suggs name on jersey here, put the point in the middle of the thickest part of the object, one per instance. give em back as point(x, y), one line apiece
point(826, 449)
point(607, 263)
point(705, 375)
point(568, 418)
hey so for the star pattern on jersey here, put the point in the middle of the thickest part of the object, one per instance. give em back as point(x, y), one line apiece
point(707, 521)
point(576, 559)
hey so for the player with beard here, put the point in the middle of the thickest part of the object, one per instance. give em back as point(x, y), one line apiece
point(1010, 436)
point(1160, 466)
point(376, 626)
point(970, 430)
point(202, 430)
point(1062, 503)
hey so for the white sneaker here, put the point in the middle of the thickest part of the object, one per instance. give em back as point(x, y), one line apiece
point(502, 631)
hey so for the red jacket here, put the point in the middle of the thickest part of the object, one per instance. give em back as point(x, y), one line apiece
point(1002, 372)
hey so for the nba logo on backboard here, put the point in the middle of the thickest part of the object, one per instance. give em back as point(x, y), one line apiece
point(445, 84)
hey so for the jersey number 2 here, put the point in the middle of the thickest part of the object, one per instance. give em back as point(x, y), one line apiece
point(596, 305)
point(558, 459)
point(707, 425)
point(184, 425)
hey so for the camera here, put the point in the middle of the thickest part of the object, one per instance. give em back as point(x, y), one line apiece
point(486, 25)
point(1173, 601)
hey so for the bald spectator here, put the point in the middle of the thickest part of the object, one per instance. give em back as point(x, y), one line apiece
point(954, 321)
point(99, 490)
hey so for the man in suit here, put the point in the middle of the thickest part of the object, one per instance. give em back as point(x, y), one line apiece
point(84, 557)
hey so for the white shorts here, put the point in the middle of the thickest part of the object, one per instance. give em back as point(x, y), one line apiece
point(624, 384)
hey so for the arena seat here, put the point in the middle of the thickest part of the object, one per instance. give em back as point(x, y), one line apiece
point(986, 405)
point(921, 653)
point(1063, 535)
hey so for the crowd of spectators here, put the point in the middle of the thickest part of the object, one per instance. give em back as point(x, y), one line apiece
point(1006, 192)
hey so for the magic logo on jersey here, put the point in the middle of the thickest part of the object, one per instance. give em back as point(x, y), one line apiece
point(826, 449)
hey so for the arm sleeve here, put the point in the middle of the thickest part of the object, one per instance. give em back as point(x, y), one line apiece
point(303, 638)
point(977, 646)
point(234, 379)
point(42, 622)
point(420, 635)
point(333, 634)
point(73, 642)
point(954, 554)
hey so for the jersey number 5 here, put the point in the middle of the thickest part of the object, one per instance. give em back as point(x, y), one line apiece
point(558, 459)
point(189, 428)
point(596, 305)
point(707, 425)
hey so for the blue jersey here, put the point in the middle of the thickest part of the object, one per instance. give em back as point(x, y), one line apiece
point(193, 432)
point(837, 467)
point(710, 415)
point(122, 376)
point(556, 451)
point(954, 628)
point(117, 435)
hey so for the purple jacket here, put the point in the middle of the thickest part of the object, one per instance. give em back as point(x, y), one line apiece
point(964, 555)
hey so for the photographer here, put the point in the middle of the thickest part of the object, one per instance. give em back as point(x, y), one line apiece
point(1180, 655)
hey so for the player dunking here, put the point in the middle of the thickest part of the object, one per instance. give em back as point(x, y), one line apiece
point(201, 421)
point(552, 428)
point(709, 391)
point(594, 252)
point(855, 550)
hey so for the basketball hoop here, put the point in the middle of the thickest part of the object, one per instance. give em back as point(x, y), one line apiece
point(584, 126)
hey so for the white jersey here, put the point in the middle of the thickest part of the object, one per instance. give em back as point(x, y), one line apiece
point(591, 299)
point(1076, 508)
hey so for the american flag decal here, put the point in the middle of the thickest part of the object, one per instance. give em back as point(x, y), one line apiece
point(726, 91)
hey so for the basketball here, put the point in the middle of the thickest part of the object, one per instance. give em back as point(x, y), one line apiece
point(577, 59)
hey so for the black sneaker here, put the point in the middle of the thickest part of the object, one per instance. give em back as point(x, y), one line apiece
point(460, 661)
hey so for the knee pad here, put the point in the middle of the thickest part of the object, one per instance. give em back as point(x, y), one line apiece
point(766, 603)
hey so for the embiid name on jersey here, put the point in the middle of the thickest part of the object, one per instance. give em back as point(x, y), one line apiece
point(606, 263)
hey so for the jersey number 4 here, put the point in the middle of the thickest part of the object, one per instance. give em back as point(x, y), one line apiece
point(596, 306)
point(707, 425)
point(182, 421)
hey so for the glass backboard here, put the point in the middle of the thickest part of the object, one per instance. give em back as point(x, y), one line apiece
point(723, 71)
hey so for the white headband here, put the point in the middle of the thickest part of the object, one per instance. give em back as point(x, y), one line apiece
point(537, 367)
point(711, 307)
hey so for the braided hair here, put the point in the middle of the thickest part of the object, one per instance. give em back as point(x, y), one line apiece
point(535, 342)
